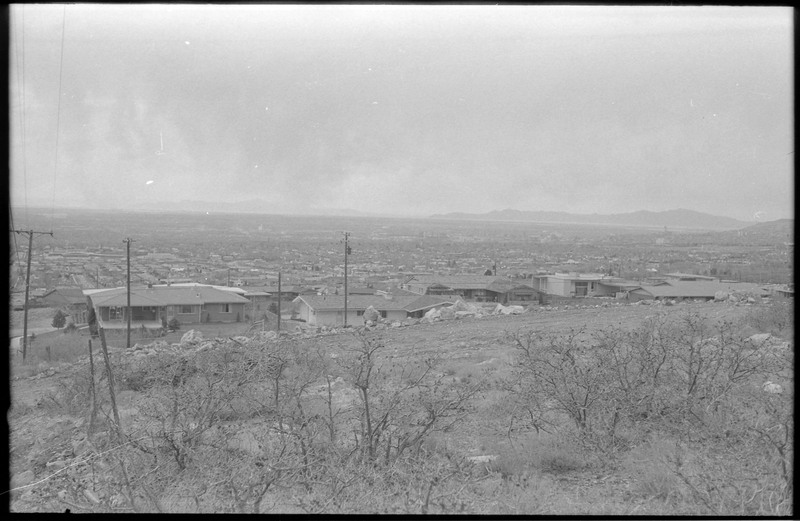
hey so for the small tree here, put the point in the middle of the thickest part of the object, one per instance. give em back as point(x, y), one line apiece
point(59, 319)
point(174, 324)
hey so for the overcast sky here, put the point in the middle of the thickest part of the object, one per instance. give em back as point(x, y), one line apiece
point(409, 110)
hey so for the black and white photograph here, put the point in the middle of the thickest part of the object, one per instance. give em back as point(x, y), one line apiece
point(407, 259)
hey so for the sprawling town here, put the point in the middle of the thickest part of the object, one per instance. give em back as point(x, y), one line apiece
point(265, 260)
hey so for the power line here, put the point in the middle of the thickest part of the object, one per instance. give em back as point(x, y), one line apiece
point(21, 86)
point(58, 118)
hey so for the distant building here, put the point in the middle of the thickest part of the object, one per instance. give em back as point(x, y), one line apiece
point(694, 290)
point(328, 310)
point(571, 284)
point(689, 277)
point(69, 299)
point(477, 288)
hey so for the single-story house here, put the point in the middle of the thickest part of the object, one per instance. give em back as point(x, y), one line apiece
point(690, 277)
point(700, 290)
point(614, 287)
point(569, 284)
point(150, 306)
point(478, 288)
point(328, 310)
point(69, 299)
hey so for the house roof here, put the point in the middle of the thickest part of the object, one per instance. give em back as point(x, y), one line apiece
point(164, 296)
point(621, 284)
point(408, 303)
point(233, 289)
point(466, 282)
point(679, 275)
point(697, 289)
point(69, 295)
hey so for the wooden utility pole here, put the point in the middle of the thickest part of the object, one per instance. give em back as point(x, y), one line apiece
point(346, 253)
point(278, 327)
point(128, 241)
point(30, 233)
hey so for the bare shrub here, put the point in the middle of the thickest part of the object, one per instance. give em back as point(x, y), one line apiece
point(776, 318)
point(401, 404)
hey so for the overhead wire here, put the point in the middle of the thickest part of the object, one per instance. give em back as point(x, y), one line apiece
point(20, 50)
point(58, 113)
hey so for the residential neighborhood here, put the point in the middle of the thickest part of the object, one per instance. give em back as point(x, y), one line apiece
point(175, 277)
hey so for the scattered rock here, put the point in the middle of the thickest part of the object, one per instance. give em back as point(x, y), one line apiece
point(91, 496)
point(447, 313)
point(57, 464)
point(191, 337)
point(372, 315)
point(485, 458)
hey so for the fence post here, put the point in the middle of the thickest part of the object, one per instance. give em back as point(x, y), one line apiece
point(111, 384)
point(91, 390)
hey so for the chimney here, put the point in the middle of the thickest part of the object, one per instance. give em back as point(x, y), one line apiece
point(387, 295)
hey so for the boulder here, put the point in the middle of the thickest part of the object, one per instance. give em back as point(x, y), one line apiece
point(721, 296)
point(513, 310)
point(760, 339)
point(191, 337)
point(372, 315)
point(447, 313)
point(431, 315)
point(460, 305)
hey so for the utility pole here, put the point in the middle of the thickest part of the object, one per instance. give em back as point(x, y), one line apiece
point(30, 233)
point(128, 241)
point(346, 253)
point(229, 277)
point(280, 297)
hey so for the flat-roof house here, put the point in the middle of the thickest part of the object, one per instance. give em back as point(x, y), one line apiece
point(569, 284)
point(149, 306)
point(328, 310)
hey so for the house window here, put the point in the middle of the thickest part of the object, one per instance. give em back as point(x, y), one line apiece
point(115, 313)
point(186, 309)
point(383, 314)
point(360, 313)
point(225, 308)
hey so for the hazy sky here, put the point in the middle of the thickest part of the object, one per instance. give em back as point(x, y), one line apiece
point(407, 110)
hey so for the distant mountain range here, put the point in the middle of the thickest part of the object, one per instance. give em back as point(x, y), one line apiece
point(687, 219)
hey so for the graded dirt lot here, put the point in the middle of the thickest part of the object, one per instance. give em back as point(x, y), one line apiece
point(53, 464)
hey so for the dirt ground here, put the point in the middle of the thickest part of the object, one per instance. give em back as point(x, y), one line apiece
point(48, 447)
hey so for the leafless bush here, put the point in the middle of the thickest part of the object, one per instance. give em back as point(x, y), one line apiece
point(400, 404)
point(683, 376)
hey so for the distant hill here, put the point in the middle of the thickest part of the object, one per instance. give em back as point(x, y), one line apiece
point(768, 232)
point(671, 218)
